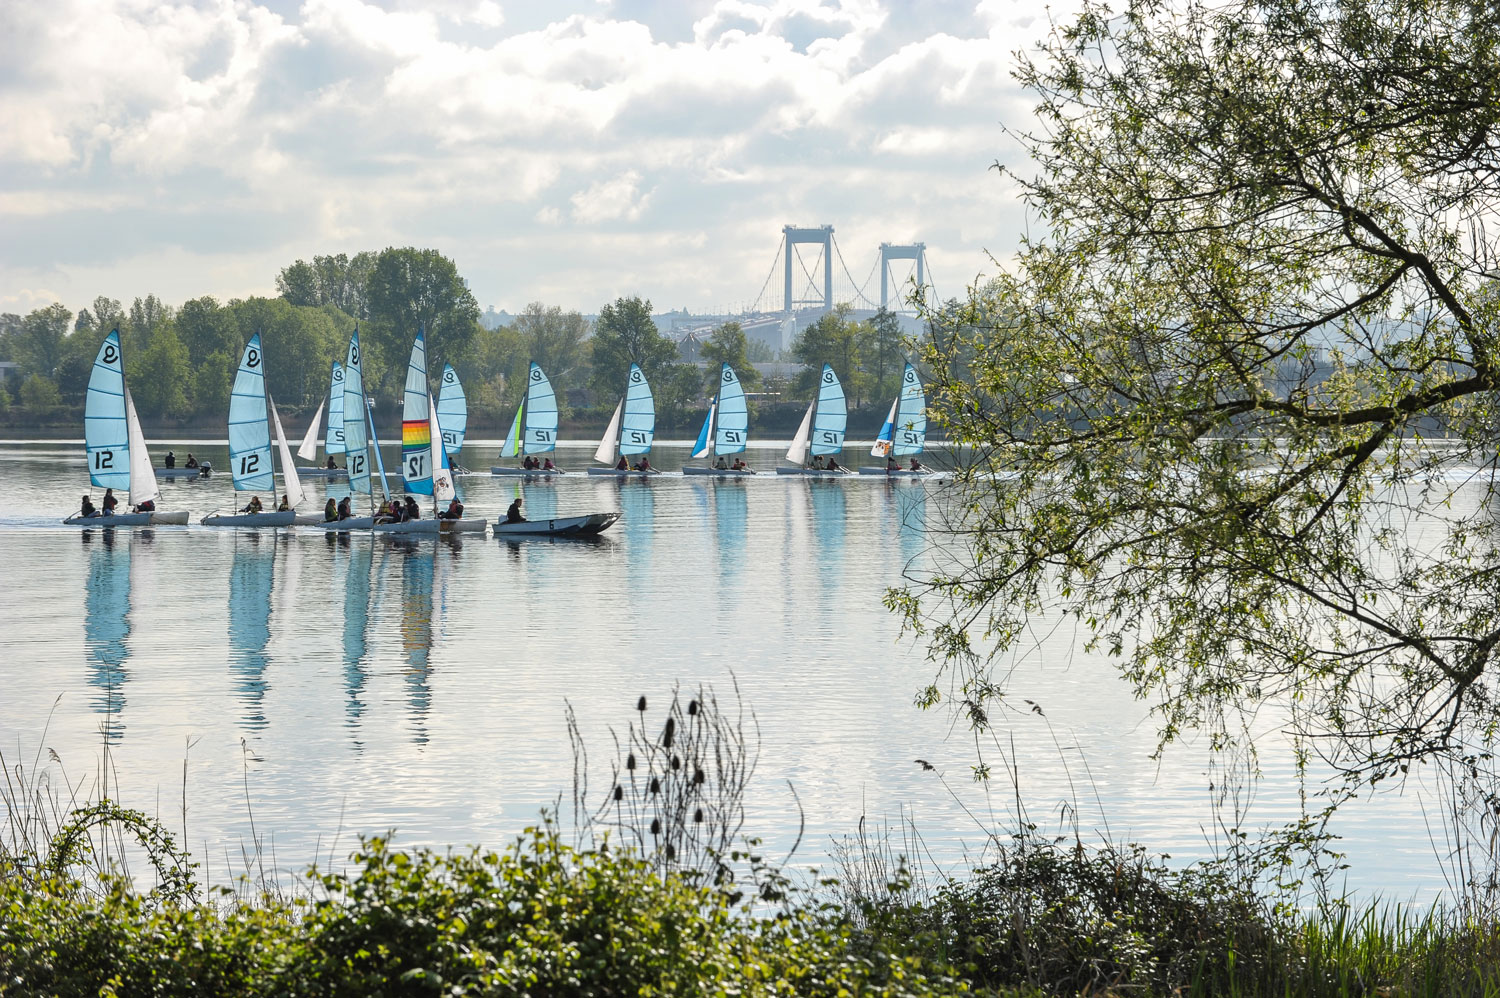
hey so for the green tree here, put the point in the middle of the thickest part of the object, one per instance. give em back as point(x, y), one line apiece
point(834, 339)
point(39, 395)
point(1265, 282)
point(555, 340)
point(161, 378)
point(727, 345)
point(38, 341)
point(298, 284)
point(410, 288)
point(626, 334)
point(147, 315)
point(881, 354)
point(207, 328)
point(300, 344)
point(333, 280)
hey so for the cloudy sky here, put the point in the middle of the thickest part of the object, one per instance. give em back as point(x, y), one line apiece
point(568, 151)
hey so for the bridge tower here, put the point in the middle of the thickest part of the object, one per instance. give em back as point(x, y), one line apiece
point(896, 251)
point(822, 234)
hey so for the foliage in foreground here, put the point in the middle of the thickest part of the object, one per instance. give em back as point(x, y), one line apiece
point(536, 918)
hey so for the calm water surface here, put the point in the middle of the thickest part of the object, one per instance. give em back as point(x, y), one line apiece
point(370, 683)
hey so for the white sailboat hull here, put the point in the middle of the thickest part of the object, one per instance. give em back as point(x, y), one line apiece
point(617, 473)
point(352, 523)
point(524, 473)
point(561, 526)
point(202, 471)
point(812, 472)
point(865, 469)
point(321, 472)
point(272, 519)
point(473, 525)
point(176, 518)
point(694, 469)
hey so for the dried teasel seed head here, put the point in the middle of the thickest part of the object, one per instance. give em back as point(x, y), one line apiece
point(698, 816)
point(671, 851)
point(630, 761)
point(697, 777)
point(655, 785)
point(676, 763)
point(692, 708)
point(655, 826)
point(619, 792)
point(640, 705)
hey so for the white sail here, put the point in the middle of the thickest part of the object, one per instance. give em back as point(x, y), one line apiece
point(882, 446)
point(289, 479)
point(442, 475)
point(606, 452)
point(797, 453)
point(142, 475)
point(308, 449)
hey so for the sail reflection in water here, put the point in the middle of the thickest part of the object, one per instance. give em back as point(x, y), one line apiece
point(250, 578)
point(729, 527)
point(356, 623)
point(829, 514)
point(424, 561)
point(637, 503)
point(106, 621)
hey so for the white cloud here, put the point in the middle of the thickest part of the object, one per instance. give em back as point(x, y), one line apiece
point(610, 200)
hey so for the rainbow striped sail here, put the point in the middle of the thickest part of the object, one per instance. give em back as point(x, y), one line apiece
point(416, 426)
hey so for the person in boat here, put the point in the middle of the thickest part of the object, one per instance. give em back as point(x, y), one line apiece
point(253, 506)
point(343, 508)
point(455, 510)
point(285, 506)
point(330, 511)
point(891, 464)
point(149, 506)
point(739, 465)
point(547, 465)
point(109, 502)
point(916, 465)
point(191, 462)
point(389, 512)
point(722, 464)
point(817, 462)
point(170, 461)
point(644, 464)
point(331, 464)
point(412, 510)
point(833, 464)
point(513, 514)
point(87, 509)
point(622, 464)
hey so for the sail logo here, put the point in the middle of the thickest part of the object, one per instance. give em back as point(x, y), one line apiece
point(110, 353)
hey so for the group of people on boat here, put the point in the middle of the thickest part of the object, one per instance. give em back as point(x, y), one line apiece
point(722, 464)
point(891, 464)
point(831, 464)
point(531, 463)
point(398, 511)
point(110, 503)
point(255, 505)
point(644, 464)
point(170, 461)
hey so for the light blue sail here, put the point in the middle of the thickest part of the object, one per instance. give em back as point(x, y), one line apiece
point(700, 448)
point(733, 428)
point(911, 415)
point(638, 426)
point(356, 437)
point(105, 435)
point(541, 413)
point(452, 410)
point(249, 427)
point(334, 444)
point(832, 416)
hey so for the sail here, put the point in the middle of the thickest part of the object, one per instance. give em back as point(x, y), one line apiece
point(797, 452)
point(334, 444)
point(142, 475)
point(605, 454)
point(105, 437)
point(289, 480)
point(882, 446)
point(541, 413)
point(911, 415)
point(416, 423)
point(356, 438)
point(639, 424)
point(833, 415)
point(249, 430)
point(733, 428)
point(442, 474)
point(379, 462)
point(705, 444)
point(308, 448)
point(513, 438)
point(452, 410)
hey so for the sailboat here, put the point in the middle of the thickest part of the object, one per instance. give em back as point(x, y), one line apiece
point(453, 415)
point(905, 431)
point(726, 430)
point(535, 428)
point(251, 412)
point(115, 445)
point(631, 428)
point(357, 430)
point(333, 442)
point(822, 428)
point(424, 459)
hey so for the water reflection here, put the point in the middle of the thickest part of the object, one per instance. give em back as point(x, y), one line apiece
point(638, 524)
point(357, 568)
point(250, 579)
point(106, 622)
point(729, 527)
point(419, 563)
point(829, 515)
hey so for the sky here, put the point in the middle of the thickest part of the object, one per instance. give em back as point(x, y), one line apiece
point(567, 152)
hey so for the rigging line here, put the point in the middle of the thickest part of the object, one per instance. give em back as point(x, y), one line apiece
point(859, 289)
point(774, 261)
point(812, 284)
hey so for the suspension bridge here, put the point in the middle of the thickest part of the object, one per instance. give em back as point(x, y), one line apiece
point(815, 278)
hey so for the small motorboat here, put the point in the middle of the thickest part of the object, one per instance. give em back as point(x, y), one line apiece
point(558, 526)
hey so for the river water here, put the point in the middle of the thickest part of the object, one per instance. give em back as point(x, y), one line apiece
point(315, 687)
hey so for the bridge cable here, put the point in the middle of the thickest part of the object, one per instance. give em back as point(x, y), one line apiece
point(857, 288)
point(774, 261)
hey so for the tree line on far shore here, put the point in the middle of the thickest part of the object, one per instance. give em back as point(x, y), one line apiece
point(180, 361)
